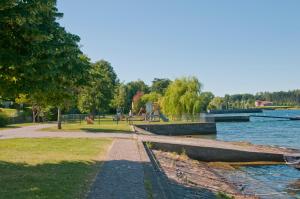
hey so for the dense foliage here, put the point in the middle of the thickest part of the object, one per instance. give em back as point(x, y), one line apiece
point(282, 98)
point(98, 92)
point(39, 58)
point(160, 85)
point(182, 97)
point(3, 119)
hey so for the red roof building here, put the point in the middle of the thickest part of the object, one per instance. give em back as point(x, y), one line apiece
point(263, 103)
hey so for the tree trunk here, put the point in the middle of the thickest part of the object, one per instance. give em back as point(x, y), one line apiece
point(33, 116)
point(93, 113)
point(58, 118)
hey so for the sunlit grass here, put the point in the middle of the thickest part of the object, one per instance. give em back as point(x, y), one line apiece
point(102, 126)
point(49, 168)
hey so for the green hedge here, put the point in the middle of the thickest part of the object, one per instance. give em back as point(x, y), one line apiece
point(3, 120)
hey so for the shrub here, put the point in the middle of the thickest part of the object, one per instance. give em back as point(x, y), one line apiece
point(3, 119)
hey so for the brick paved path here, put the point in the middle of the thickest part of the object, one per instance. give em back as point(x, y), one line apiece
point(122, 175)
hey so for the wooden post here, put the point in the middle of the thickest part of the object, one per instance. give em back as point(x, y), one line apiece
point(58, 118)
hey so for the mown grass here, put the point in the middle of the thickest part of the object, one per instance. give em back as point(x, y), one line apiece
point(106, 128)
point(106, 125)
point(49, 167)
point(13, 126)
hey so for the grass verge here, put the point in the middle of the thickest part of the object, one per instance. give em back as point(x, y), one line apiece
point(49, 167)
point(13, 126)
point(122, 127)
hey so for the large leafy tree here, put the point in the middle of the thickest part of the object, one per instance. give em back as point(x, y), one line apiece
point(99, 92)
point(133, 88)
point(120, 97)
point(182, 97)
point(26, 30)
point(206, 98)
point(216, 104)
point(160, 85)
point(37, 56)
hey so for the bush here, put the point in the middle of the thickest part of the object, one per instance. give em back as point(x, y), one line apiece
point(3, 120)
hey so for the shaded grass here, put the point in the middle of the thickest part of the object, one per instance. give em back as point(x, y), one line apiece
point(49, 167)
point(13, 126)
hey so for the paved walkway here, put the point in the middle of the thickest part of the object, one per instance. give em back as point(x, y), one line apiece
point(34, 132)
point(122, 175)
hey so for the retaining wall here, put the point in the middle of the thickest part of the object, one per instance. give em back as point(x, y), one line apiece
point(178, 129)
point(214, 154)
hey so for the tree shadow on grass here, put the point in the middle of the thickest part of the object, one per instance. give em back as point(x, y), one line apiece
point(72, 179)
point(134, 179)
point(66, 179)
point(9, 127)
point(106, 130)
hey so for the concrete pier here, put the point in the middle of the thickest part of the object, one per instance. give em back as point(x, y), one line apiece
point(227, 118)
point(230, 111)
point(215, 151)
point(177, 129)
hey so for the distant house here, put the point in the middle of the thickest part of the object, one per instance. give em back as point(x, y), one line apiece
point(263, 103)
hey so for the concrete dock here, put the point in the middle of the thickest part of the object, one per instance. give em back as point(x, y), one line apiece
point(227, 118)
point(215, 151)
point(176, 129)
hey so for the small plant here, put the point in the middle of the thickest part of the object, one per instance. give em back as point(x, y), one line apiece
point(149, 145)
point(183, 152)
point(183, 155)
point(222, 195)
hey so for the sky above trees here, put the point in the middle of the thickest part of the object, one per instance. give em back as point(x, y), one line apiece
point(231, 46)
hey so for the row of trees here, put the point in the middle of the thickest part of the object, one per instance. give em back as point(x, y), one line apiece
point(282, 98)
point(181, 96)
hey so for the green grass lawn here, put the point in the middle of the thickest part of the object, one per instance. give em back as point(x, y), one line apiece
point(12, 126)
point(105, 125)
point(49, 167)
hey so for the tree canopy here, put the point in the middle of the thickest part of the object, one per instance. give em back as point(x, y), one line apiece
point(98, 93)
point(38, 57)
point(182, 97)
point(160, 85)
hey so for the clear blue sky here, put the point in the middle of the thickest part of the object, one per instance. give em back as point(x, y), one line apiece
point(231, 46)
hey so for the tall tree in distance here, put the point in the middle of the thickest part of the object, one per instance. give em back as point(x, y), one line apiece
point(120, 97)
point(98, 94)
point(206, 98)
point(182, 97)
point(133, 88)
point(160, 85)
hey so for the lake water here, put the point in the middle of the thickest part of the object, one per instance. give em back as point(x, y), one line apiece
point(265, 131)
point(266, 181)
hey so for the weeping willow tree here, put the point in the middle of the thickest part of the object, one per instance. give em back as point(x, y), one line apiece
point(182, 97)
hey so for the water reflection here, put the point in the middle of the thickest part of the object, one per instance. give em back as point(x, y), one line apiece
point(280, 180)
point(294, 189)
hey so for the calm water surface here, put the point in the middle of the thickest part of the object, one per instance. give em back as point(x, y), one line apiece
point(278, 132)
point(266, 181)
